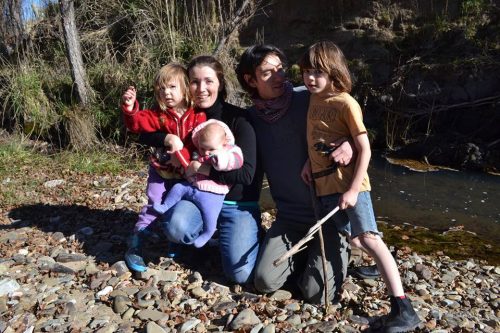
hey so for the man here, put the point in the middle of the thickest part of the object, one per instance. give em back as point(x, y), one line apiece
point(279, 119)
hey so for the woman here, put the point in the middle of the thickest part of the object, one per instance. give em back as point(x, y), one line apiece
point(239, 220)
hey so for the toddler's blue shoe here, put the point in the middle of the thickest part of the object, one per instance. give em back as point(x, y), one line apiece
point(133, 256)
point(134, 260)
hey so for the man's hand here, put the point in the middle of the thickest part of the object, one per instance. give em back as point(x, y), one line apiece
point(343, 152)
point(129, 97)
point(306, 173)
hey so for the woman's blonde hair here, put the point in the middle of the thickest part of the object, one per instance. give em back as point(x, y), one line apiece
point(169, 72)
point(327, 57)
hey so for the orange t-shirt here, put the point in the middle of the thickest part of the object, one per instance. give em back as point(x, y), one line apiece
point(329, 120)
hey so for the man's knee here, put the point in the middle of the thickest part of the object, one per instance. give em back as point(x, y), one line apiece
point(313, 292)
point(264, 283)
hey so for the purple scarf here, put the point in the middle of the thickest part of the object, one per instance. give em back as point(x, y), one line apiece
point(271, 110)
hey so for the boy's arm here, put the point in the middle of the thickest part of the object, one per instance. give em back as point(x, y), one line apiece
point(362, 144)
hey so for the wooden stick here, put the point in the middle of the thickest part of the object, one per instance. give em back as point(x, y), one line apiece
point(306, 238)
point(325, 268)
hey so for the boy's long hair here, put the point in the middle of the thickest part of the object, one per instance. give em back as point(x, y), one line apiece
point(327, 57)
point(169, 72)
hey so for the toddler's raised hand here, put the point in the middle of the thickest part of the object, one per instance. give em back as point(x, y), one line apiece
point(129, 98)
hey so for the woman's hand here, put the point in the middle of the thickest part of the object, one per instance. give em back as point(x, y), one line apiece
point(306, 173)
point(348, 199)
point(343, 152)
point(129, 97)
point(173, 143)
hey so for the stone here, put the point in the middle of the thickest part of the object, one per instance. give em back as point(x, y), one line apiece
point(270, 328)
point(294, 320)
point(152, 327)
point(69, 257)
point(281, 295)
point(148, 314)
point(245, 318)
point(121, 304)
point(188, 325)
point(199, 292)
point(120, 267)
point(53, 183)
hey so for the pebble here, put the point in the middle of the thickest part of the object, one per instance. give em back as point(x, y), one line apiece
point(188, 325)
point(281, 295)
point(8, 286)
point(245, 318)
point(153, 327)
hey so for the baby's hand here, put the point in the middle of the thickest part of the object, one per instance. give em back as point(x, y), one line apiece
point(220, 160)
point(173, 143)
point(129, 97)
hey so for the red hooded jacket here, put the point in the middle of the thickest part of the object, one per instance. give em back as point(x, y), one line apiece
point(153, 120)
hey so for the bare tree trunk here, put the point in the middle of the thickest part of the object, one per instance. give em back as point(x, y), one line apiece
point(74, 53)
point(246, 11)
point(80, 125)
point(11, 27)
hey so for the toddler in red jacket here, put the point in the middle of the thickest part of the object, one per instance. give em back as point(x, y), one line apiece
point(174, 114)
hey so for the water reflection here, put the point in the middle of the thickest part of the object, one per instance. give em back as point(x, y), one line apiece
point(438, 200)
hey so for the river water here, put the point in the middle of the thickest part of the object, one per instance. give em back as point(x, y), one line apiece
point(439, 200)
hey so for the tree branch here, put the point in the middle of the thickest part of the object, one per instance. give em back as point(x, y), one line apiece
point(307, 238)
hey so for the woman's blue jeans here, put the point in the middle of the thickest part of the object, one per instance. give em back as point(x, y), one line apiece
point(238, 227)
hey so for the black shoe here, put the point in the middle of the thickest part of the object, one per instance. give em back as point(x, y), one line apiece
point(402, 317)
point(364, 272)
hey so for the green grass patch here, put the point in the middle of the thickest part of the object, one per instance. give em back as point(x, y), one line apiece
point(458, 244)
point(16, 157)
point(97, 162)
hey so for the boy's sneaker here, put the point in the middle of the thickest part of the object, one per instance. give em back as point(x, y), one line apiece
point(402, 317)
point(364, 272)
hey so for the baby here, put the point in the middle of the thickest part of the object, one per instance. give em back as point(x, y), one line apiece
point(215, 144)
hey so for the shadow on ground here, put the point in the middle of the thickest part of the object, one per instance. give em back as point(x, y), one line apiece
point(103, 234)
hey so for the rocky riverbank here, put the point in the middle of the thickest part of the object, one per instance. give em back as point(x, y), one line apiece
point(49, 283)
point(61, 270)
